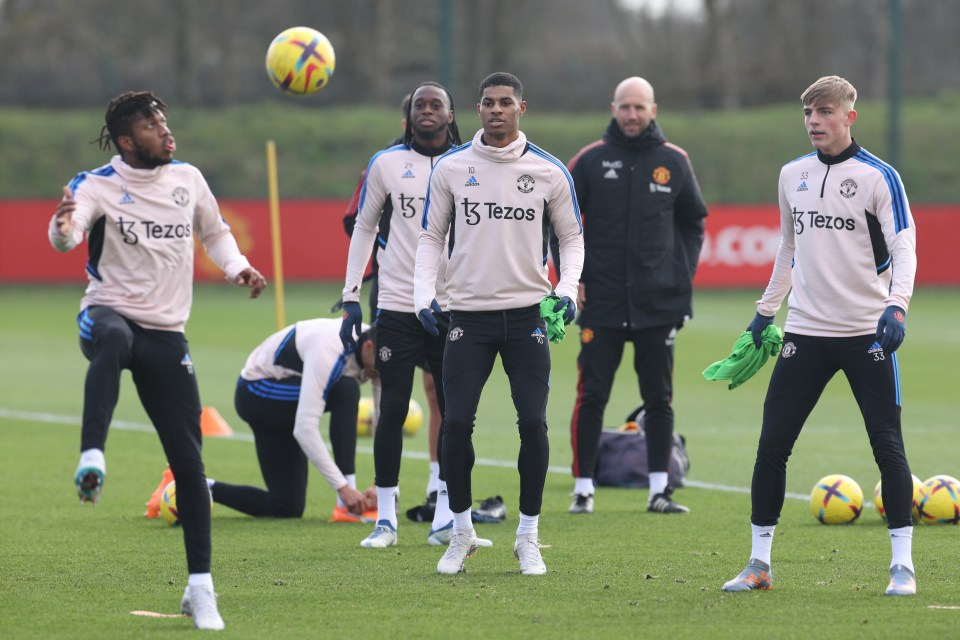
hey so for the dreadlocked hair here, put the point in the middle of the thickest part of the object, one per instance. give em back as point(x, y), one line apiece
point(122, 111)
point(453, 132)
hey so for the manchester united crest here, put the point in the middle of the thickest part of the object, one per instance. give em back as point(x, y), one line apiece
point(848, 188)
point(661, 175)
point(525, 183)
point(181, 196)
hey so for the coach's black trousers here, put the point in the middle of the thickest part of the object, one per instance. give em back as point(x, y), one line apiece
point(601, 349)
point(164, 376)
point(805, 366)
point(474, 340)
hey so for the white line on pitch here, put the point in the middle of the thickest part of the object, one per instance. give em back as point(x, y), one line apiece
point(125, 425)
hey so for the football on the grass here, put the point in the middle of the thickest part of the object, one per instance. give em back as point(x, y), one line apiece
point(836, 499)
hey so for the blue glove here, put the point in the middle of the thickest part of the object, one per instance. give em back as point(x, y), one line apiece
point(756, 327)
point(352, 319)
point(891, 329)
point(428, 320)
point(568, 307)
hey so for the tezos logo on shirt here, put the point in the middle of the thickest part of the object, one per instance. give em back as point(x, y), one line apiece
point(151, 230)
point(473, 212)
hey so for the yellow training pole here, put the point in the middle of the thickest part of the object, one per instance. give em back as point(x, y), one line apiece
point(275, 231)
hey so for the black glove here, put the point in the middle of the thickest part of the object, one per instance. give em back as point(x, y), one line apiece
point(891, 328)
point(352, 319)
point(569, 309)
point(428, 320)
point(756, 327)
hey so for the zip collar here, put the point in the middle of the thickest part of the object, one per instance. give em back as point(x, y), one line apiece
point(843, 156)
point(430, 152)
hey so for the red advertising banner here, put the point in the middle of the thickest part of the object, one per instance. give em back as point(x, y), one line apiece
point(740, 245)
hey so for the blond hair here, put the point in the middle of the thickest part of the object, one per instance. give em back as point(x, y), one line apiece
point(830, 89)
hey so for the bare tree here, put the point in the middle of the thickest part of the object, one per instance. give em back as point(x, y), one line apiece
point(185, 56)
point(730, 54)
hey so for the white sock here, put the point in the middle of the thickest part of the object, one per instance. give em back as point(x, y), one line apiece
point(442, 515)
point(434, 480)
point(352, 483)
point(658, 482)
point(583, 486)
point(462, 521)
point(901, 543)
point(200, 580)
point(93, 458)
point(762, 538)
point(387, 504)
point(528, 524)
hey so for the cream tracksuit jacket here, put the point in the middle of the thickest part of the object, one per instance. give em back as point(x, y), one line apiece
point(848, 244)
point(140, 226)
point(498, 204)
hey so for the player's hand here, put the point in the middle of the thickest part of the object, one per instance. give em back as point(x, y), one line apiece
point(756, 327)
point(252, 278)
point(569, 309)
point(371, 496)
point(65, 211)
point(350, 326)
point(581, 295)
point(892, 328)
point(353, 500)
point(428, 320)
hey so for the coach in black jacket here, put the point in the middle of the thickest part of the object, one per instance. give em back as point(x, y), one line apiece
point(643, 221)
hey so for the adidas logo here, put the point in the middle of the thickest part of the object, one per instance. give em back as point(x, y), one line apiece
point(126, 199)
point(408, 174)
point(611, 174)
point(187, 362)
point(875, 348)
point(472, 182)
point(538, 334)
point(803, 186)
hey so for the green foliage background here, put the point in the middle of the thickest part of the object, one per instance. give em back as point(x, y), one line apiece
point(321, 150)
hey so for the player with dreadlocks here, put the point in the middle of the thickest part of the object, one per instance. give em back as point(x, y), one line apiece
point(140, 214)
point(391, 204)
point(425, 511)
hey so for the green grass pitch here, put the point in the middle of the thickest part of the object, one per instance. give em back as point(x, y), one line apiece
point(74, 572)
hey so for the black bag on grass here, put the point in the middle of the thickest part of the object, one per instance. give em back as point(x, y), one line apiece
point(622, 457)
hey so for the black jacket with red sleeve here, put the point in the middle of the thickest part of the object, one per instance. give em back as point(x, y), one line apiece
point(643, 225)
